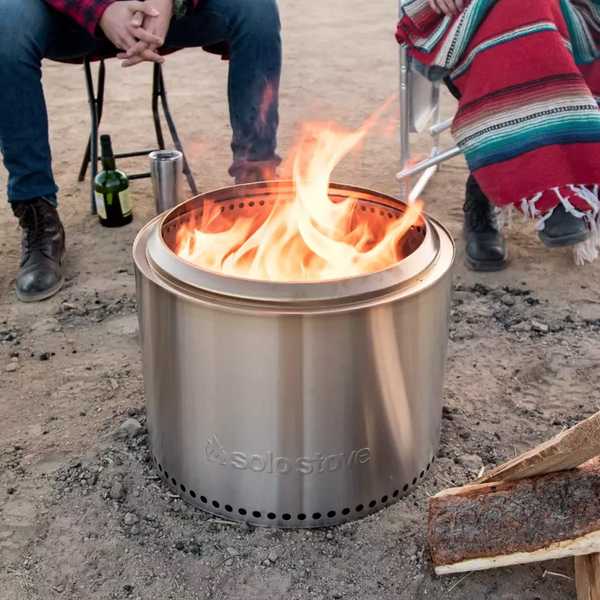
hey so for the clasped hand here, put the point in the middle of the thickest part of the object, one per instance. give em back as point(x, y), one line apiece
point(137, 28)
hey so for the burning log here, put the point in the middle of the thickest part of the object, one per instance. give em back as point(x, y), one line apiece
point(587, 577)
point(482, 526)
point(567, 450)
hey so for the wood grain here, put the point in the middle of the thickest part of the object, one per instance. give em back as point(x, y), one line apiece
point(482, 526)
point(587, 577)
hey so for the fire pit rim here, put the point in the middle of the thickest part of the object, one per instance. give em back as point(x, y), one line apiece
point(179, 271)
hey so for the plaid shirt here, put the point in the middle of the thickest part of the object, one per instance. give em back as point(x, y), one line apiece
point(87, 12)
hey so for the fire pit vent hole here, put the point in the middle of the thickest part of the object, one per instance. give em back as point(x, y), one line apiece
point(361, 509)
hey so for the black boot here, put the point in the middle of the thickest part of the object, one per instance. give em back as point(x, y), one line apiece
point(563, 229)
point(485, 245)
point(42, 250)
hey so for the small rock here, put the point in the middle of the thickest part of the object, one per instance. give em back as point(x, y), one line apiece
point(126, 326)
point(472, 462)
point(539, 327)
point(329, 535)
point(11, 367)
point(130, 519)
point(128, 429)
point(44, 356)
point(117, 490)
point(179, 545)
point(135, 530)
point(507, 300)
point(521, 327)
point(45, 326)
point(273, 556)
point(480, 289)
point(196, 548)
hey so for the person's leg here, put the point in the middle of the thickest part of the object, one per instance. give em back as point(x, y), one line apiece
point(485, 246)
point(251, 29)
point(29, 30)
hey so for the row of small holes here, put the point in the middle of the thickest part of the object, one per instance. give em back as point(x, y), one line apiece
point(381, 212)
point(286, 516)
point(251, 204)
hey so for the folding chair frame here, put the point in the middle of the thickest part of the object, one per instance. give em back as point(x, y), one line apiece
point(425, 168)
point(96, 103)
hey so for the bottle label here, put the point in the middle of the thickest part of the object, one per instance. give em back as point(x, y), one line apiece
point(125, 201)
point(100, 205)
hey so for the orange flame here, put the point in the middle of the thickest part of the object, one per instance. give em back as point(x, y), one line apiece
point(308, 237)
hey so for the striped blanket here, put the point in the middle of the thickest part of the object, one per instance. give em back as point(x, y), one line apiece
point(528, 120)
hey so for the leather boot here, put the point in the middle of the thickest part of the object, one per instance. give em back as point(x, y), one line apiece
point(563, 229)
point(485, 245)
point(42, 250)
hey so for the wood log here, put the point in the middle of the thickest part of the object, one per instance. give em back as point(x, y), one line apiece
point(483, 526)
point(587, 577)
point(567, 450)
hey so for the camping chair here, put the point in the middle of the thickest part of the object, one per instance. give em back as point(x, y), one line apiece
point(96, 103)
point(419, 113)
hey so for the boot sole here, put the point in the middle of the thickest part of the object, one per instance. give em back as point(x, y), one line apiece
point(566, 240)
point(42, 295)
point(484, 266)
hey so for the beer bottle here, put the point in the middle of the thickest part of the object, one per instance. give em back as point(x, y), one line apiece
point(112, 190)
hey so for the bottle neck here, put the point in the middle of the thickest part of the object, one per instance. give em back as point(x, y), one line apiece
point(108, 163)
point(108, 157)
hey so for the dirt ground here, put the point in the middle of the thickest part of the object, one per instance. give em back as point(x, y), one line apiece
point(83, 515)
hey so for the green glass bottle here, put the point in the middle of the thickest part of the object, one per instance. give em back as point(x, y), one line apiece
point(112, 190)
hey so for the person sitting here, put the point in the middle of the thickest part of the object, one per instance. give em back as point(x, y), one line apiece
point(527, 78)
point(31, 30)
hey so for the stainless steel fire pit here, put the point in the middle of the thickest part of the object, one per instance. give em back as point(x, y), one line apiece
point(293, 404)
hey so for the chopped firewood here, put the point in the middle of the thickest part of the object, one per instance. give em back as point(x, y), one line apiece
point(587, 577)
point(567, 450)
point(490, 525)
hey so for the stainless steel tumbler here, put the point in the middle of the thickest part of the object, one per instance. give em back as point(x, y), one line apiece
point(166, 168)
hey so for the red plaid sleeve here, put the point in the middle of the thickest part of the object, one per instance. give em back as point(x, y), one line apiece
point(85, 12)
point(88, 12)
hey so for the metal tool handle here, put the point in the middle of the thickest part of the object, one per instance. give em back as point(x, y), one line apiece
point(166, 168)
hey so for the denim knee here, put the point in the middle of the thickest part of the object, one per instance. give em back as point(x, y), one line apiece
point(23, 29)
point(260, 15)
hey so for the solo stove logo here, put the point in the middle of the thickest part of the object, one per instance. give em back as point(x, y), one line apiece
point(267, 462)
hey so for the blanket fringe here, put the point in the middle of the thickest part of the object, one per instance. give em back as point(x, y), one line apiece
point(504, 216)
point(584, 252)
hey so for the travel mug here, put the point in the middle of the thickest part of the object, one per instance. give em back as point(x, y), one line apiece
point(166, 168)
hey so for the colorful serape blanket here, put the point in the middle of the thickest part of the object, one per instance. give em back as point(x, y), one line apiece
point(528, 121)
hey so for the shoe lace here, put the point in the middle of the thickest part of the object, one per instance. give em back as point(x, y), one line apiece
point(34, 222)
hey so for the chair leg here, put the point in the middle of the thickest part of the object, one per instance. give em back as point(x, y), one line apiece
point(96, 103)
point(160, 92)
point(404, 119)
point(156, 94)
point(99, 106)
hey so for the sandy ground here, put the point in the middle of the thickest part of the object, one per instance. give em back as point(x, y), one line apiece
point(83, 516)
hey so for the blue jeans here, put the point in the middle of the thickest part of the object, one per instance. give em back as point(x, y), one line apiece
point(31, 31)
